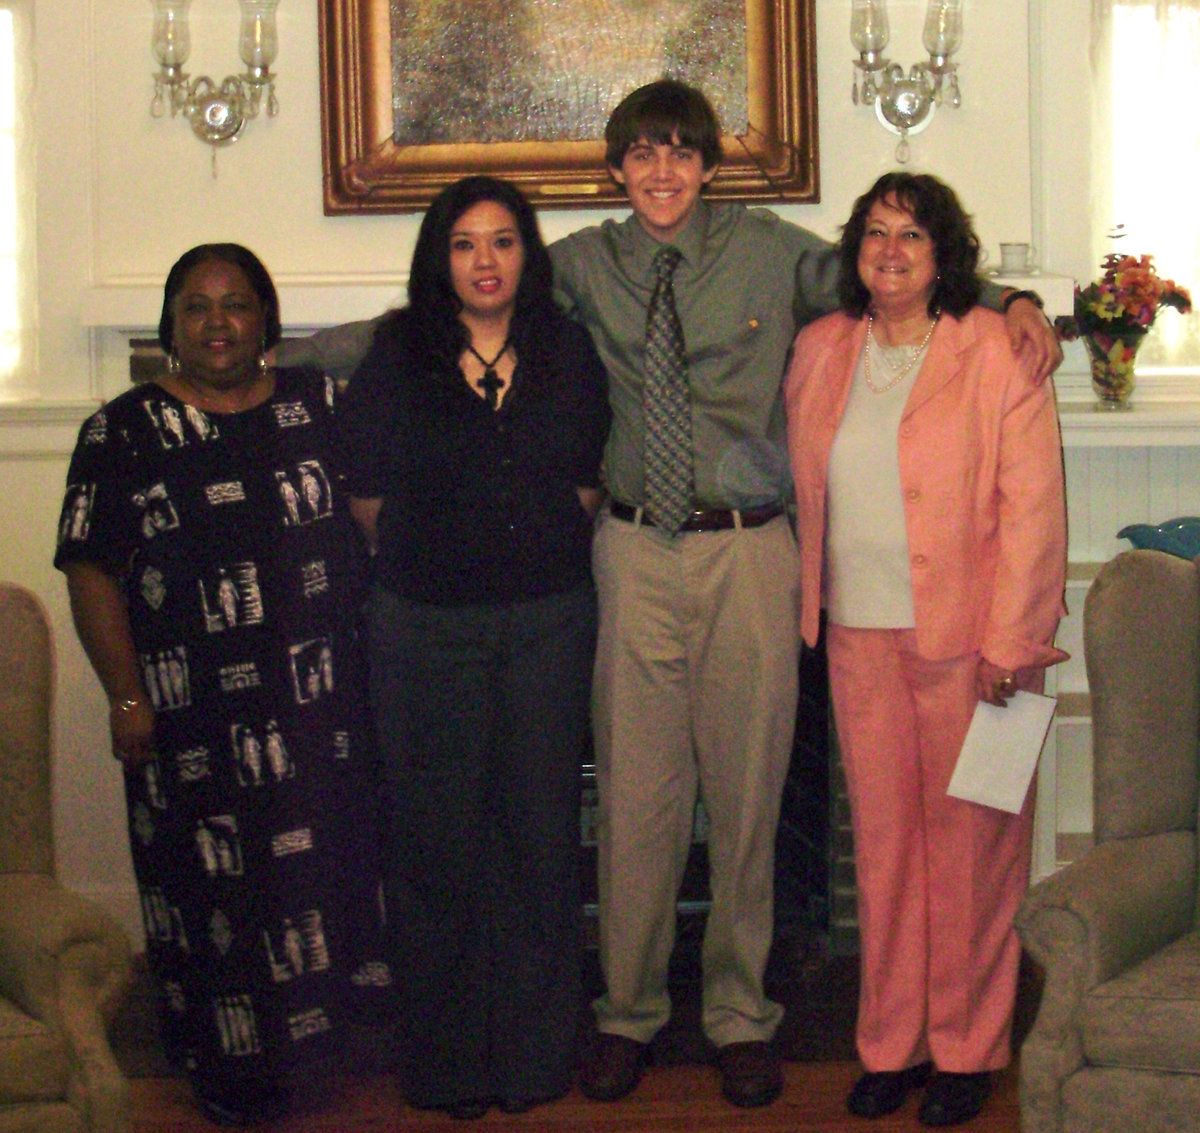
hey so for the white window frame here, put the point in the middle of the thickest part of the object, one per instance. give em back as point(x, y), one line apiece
point(18, 215)
point(1146, 153)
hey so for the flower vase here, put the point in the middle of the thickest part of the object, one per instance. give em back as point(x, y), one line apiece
point(1113, 358)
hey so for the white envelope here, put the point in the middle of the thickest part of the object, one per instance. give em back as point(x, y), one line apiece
point(1000, 753)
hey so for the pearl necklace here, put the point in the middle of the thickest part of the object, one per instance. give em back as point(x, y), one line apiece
point(912, 358)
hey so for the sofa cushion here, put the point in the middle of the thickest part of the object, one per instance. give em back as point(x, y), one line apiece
point(1149, 1016)
point(1103, 1100)
point(33, 1063)
point(45, 1117)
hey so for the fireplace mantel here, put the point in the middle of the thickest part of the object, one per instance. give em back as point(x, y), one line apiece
point(304, 304)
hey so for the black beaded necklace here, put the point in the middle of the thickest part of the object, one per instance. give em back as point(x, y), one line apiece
point(491, 383)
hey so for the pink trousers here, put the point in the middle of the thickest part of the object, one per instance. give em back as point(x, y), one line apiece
point(939, 879)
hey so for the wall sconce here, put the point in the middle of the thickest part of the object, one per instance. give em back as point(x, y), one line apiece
point(905, 104)
point(217, 114)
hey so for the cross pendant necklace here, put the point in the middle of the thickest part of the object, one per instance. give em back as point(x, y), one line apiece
point(491, 383)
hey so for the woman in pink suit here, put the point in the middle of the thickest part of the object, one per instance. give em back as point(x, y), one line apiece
point(932, 529)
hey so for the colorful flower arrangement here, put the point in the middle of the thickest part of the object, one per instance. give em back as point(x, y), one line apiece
point(1124, 301)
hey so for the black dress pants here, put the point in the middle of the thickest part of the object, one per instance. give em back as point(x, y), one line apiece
point(482, 714)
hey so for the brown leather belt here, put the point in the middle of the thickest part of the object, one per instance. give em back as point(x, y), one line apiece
point(711, 519)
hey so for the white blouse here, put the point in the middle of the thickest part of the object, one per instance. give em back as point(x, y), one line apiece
point(866, 577)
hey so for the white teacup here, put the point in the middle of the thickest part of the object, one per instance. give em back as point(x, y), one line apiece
point(1017, 259)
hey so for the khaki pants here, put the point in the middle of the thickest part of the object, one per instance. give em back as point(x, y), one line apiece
point(695, 690)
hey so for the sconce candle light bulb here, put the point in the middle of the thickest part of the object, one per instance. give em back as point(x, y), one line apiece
point(869, 30)
point(259, 41)
point(869, 33)
point(943, 28)
point(171, 40)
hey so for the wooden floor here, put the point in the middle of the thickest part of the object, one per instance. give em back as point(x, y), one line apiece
point(677, 1098)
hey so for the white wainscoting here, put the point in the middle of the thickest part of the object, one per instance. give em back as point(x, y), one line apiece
point(1139, 466)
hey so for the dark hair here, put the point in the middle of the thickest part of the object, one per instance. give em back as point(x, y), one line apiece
point(434, 305)
point(256, 275)
point(664, 112)
point(936, 208)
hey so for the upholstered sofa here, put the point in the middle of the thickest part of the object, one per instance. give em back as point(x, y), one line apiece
point(64, 962)
point(1116, 1042)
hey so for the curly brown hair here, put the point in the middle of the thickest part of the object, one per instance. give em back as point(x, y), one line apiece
point(936, 208)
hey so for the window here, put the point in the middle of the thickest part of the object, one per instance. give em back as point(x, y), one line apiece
point(1148, 139)
point(18, 286)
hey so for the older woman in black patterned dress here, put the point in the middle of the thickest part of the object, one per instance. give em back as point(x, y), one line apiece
point(214, 577)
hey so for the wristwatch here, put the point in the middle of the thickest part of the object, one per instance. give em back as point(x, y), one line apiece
point(1013, 296)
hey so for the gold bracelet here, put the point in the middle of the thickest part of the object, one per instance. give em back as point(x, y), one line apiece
point(123, 705)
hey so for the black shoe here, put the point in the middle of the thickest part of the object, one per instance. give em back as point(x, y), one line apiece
point(470, 1110)
point(750, 1074)
point(612, 1067)
point(239, 1105)
point(954, 1098)
point(522, 1103)
point(880, 1092)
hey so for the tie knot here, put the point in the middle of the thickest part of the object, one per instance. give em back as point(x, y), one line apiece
point(666, 260)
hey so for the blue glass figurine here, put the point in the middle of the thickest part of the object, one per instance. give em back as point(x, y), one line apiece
point(1176, 536)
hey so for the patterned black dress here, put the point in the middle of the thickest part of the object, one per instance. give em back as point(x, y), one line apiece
point(254, 831)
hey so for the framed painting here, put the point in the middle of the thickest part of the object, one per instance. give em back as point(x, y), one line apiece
point(417, 93)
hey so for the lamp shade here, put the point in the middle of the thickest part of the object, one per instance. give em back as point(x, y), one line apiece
point(943, 27)
point(258, 43)
point(869, 30)
point(171, 41)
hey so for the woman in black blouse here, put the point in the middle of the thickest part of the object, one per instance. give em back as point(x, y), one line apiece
point(473, 434)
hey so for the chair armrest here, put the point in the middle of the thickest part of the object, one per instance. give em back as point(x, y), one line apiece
point(1122, 902)
point(66, 962)
point(44, 928)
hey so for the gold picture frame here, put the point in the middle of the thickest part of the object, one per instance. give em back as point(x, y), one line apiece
point(365, 171)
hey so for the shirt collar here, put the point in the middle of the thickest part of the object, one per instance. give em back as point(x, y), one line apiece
point(689, 240)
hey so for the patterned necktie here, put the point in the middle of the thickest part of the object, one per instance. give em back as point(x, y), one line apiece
point(666, 404)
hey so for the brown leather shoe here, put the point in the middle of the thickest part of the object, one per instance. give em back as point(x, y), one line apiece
point(612, 1067)
point(750, 1074)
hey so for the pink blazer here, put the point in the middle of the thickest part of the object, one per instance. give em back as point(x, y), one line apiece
point(982, 479)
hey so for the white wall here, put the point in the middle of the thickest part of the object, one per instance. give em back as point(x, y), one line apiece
point(121, 195)
point(267, 193)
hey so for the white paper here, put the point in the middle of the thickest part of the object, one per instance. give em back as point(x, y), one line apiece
point(1001, 751)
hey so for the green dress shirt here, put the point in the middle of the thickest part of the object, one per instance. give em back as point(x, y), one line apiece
point(746, 282)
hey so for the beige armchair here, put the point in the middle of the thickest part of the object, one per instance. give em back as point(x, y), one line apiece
point(1116, 1042)
point(64, 962)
